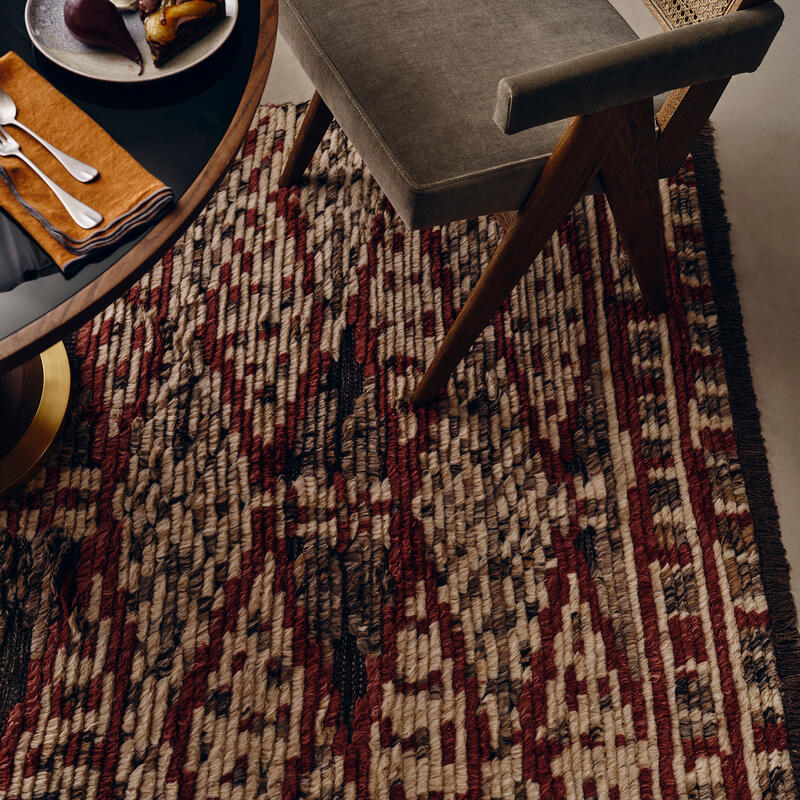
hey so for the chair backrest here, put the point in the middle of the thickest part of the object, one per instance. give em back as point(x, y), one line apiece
point(678, 13)
point(686, 110)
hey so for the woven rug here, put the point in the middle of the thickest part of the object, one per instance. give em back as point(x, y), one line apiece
point(252, 569)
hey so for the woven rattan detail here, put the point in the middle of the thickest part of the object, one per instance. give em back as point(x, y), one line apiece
point(677, 13)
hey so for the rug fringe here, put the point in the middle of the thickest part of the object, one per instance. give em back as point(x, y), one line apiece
point(775, 569)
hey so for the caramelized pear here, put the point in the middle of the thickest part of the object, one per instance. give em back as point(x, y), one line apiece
point(99, 24)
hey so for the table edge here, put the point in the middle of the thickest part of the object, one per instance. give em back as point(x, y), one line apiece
point(44, 331)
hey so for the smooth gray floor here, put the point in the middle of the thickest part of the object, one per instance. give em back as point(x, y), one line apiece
point(758, 146)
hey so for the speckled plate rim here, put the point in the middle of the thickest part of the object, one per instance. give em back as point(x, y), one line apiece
point(93, 63)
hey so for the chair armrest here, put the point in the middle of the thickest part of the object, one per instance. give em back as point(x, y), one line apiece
point(698, 53)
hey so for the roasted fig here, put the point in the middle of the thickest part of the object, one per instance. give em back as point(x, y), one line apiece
point(99, 24)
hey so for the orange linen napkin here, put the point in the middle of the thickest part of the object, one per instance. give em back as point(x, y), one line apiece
point(124, 193)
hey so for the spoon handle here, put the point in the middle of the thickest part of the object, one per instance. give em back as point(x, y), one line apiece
point(80, 171)
point(84, 215)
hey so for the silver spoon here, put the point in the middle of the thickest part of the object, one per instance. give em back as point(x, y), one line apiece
point(84, 215)
point(80, 171)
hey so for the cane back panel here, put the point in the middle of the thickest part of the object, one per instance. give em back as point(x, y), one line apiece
point(677, 13)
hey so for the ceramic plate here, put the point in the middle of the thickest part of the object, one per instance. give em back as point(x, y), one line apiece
point(45, 22)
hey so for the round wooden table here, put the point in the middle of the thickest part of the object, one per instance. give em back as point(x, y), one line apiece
point(184, 129)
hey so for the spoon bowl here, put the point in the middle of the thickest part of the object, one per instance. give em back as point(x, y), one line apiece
point(8, 116)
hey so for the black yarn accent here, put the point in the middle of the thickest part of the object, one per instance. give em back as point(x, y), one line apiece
point(577, 466)
point(344, 382)
point(349, 666)
point(294, 546)
point(584, 544)
point(293, 466)
point(347, 382)
point(28, 572)
point(64, 572)
point(183, 438)
point(15, 643)
point(14, 653)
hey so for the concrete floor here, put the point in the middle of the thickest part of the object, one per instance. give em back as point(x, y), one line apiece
point(758, 146)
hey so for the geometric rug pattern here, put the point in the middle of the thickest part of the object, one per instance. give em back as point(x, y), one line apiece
point(253, 569)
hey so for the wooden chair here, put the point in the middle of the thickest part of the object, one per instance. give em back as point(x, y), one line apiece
point(410, 83)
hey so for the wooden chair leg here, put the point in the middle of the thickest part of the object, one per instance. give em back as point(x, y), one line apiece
point(681, 119)
point(573, 163)
point(505, 219)
point(316, 121)
point(629, 171)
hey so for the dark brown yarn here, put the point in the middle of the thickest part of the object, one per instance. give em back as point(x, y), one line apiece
point(775, 570)
point(28, 570)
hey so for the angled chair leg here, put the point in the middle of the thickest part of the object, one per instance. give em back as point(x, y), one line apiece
point(573, 163)
point(316, 121)
point(629, 171)
point(681, 119)
point(505, 219)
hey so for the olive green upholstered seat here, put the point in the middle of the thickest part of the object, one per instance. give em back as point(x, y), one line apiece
point(428, 90)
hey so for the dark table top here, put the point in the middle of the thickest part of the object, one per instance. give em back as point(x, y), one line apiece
point(171, 127)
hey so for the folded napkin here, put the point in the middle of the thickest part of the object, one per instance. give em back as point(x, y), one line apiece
point(125, 193)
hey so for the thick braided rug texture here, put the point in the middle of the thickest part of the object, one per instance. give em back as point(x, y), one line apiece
point(254, 570)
